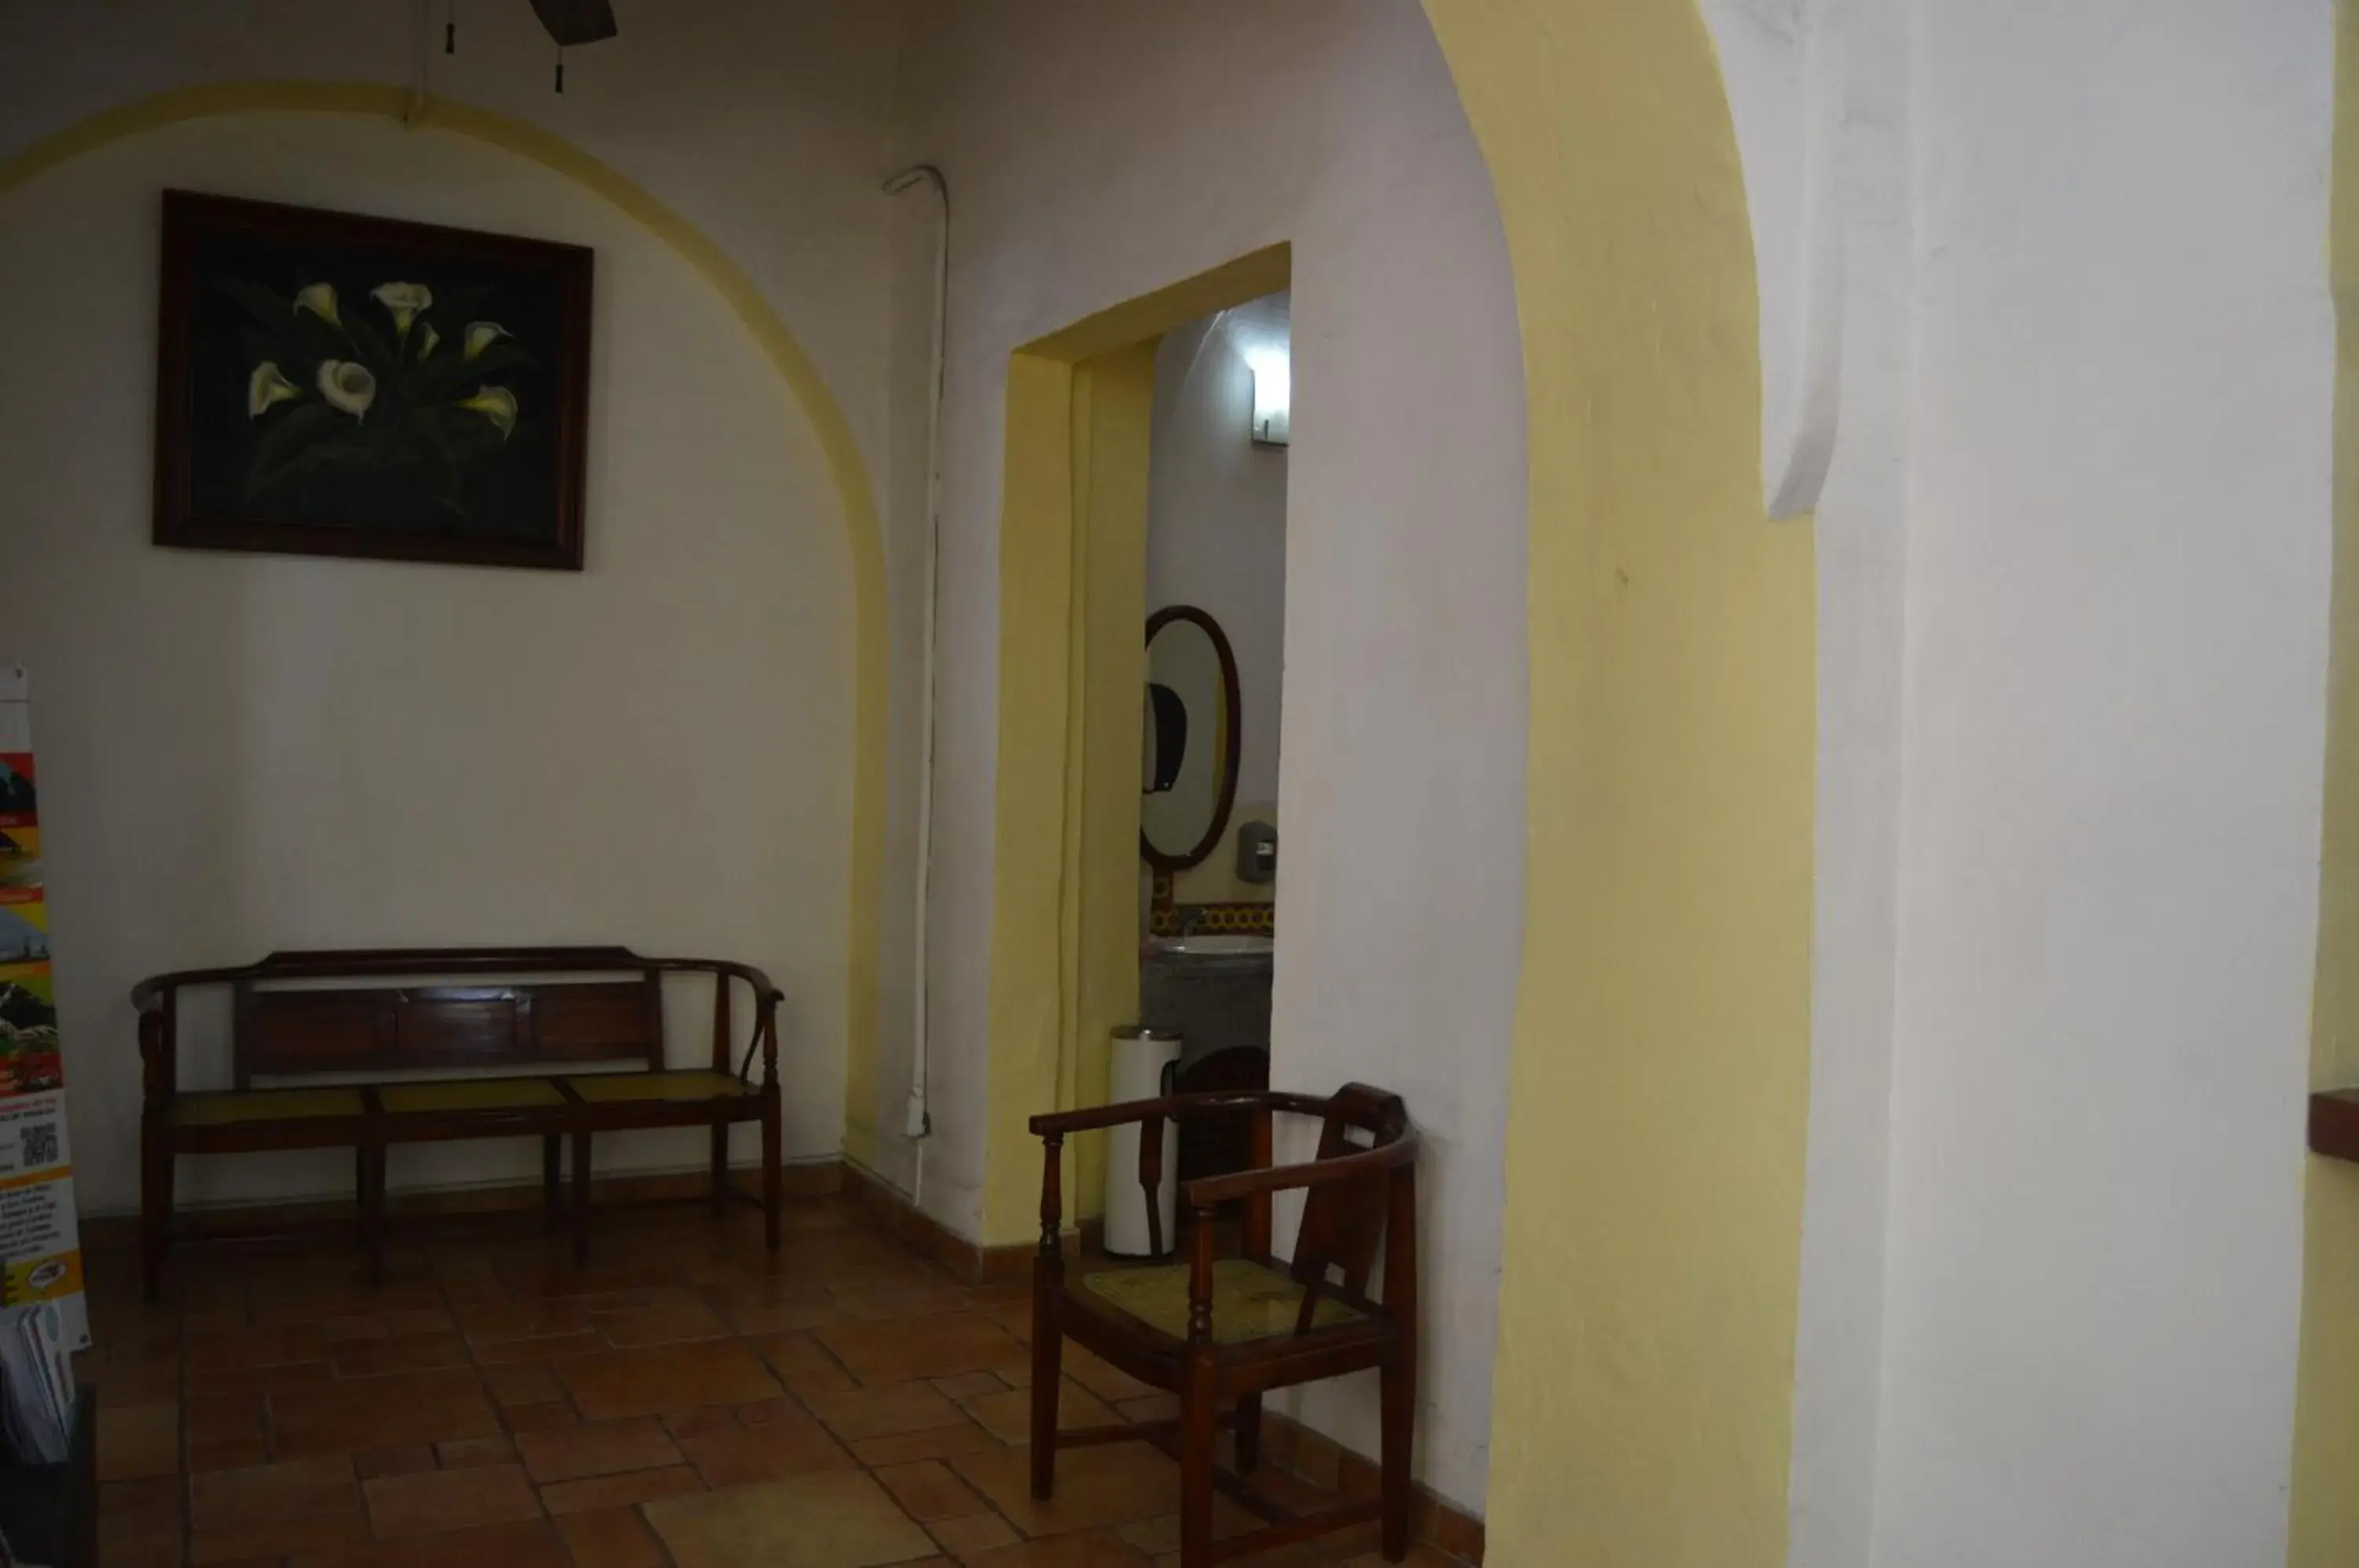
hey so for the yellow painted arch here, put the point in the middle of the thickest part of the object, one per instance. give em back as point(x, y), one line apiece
point(730, 282)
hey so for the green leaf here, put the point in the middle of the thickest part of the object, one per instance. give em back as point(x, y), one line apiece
point(301, 426)
point(373, 349)
point(270, 309)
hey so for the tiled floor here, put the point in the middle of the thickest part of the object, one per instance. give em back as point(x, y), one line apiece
point(688, 1400)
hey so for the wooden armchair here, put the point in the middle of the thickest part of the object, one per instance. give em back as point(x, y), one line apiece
point(1222, 1330)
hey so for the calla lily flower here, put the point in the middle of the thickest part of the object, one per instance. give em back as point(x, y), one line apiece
point(427, 340)
point(347, 386)
point(267, 387)
point(404, 300)
point(482, 335)
point(496, 404)
point(319, 298)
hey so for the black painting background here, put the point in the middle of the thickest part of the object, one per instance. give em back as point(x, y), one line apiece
point(509, 494)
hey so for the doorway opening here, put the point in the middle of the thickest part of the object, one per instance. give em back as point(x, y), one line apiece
point(1208, 802)
point(1068, 914)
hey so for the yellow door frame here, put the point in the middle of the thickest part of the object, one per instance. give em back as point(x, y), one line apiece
point(1072, 607)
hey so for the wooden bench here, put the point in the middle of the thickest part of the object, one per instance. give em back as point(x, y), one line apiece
point(557, 1043)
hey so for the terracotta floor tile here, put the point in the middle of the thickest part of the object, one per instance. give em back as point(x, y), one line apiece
point(731, 1458)
point(211, 1417)
point(379, 1462)
point(301, 1488)
point(539, 1418)
point(618, 1491)
point(420, 1320)
point(793, 1352)
point(703, 1418)
point(362, 1326)
point(496, 1322)
point(757, 1311)
point(595, 1448)
point(407, 1353)
point(547, 1347)
point(1153, 1408)
point(927, 1491)
point(664, 1378)
point(468, 1451)
point(931, 1443)
point(149, 1494)
point(522, 1383)
point(836, 1518)
point(438, 1501)
point(227, 1454)
point(806, 1381)
point(351, 1415)
point(613, 1538)
point(140, 1439)
point(144, 1540)
point(666, 1323)
point(1090, 1548)
point(966, 1539)
point(941, 1346)
point(534, 1545)
point(910, 1299)
point(276, 1538)
point(1101, 1377)
point(1008, 1416)
point(598, 1278)
point(1118, 1484)
point(967, 1385)
point(240, 1348)
point(879, 1412)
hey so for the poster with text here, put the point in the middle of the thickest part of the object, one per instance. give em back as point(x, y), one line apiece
point(40, 1245)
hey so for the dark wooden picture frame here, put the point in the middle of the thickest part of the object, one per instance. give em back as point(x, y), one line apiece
point(472, 350)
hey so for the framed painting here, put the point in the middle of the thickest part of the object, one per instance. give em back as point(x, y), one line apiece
point(335, 385)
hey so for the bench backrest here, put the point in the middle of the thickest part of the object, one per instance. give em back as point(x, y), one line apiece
point(283, 1032)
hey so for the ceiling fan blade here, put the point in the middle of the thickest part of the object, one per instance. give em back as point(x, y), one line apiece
point(576, 21)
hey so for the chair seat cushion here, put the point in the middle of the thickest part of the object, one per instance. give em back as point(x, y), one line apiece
point(608, 1088)
point(235, 1107)
point(470, 1094)
point(1250, 1300)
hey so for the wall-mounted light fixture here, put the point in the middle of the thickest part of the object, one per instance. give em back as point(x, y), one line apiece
point(1273, 375)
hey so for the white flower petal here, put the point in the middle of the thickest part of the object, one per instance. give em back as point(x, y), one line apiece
point(403, 300)
point(496, 404)
point(481, 335)
point(427, 341)
point(267, 387)
point(319, 298)
point(347, 386)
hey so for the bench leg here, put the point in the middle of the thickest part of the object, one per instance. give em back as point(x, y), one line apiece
point(552, 1177)
point(773, 1174)
point(719, 1168)
point(155, 1213)
point(581, 1199)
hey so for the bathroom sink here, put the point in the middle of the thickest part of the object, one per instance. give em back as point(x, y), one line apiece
point(1209, 944)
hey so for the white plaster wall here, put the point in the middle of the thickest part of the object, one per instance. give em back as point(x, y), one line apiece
point(1096, 153)
point(2116, 577)
point(241, 753)
point(1216, 519)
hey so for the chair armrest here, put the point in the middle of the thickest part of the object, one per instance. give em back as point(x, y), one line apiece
point(1057, 1124)
point(1207, 1191)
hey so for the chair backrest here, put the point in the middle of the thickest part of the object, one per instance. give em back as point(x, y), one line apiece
point(1344, 1222)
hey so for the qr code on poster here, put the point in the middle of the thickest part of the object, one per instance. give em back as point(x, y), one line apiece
point(38, 1146)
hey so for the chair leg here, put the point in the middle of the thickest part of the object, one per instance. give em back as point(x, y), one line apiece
point(774, 1181)
point(1249, 1433)
point(1048, 1357)
point(361, 1195)
point(581, 1199)
point(552, 1178)
point(155, 1215)
point(719, 1168)
point(1398, 1400)
point(1200, 1432)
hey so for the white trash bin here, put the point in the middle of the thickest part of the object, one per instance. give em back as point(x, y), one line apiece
point(1144, 1062)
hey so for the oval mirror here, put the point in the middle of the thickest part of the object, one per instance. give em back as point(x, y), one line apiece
point(1188, 765)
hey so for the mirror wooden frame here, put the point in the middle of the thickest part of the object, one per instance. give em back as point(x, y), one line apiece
point(1226, 801)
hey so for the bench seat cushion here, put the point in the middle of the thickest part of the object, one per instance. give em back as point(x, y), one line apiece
point(470, 1094)
point(235, 1107)
point(1249, 1302)
point(613, 1088)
